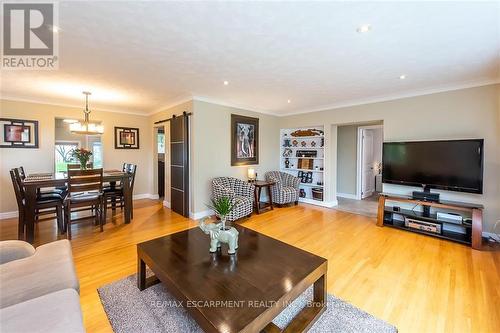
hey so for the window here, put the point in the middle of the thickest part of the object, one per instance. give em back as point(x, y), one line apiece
point(161, 143)
point(63, 154)
point(97, 154)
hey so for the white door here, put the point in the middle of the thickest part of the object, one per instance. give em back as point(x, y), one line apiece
point(367, 176)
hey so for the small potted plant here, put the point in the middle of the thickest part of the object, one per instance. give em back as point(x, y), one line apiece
point(222, 207)
point(82, 155)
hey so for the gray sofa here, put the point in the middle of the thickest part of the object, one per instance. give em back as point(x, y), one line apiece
point(38, 288)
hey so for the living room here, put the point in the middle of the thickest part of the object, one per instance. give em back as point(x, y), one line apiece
point(256, 218)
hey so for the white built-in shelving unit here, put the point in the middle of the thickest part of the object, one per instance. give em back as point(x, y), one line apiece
point(304, 143)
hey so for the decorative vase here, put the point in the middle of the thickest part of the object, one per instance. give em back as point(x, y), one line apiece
point(83, 164)
point(220, 235)
point(287, 142)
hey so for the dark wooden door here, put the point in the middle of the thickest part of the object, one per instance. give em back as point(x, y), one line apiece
point(161, 179)
point(179, 160)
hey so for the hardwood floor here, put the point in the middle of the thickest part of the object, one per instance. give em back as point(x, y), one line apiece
point(417, 283)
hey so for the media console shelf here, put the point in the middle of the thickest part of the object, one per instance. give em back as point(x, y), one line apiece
point(473, 232)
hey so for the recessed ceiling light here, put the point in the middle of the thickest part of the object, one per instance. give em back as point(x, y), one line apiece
point(289, 101)
point(402, 77)
point(226, 83)
point(70, 121)
point(364, 28)
point(54, 29)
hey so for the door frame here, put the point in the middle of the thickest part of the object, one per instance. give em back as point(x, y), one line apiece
point(359, 156)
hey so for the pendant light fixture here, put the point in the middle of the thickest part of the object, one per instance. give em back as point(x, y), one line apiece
point(86, 127)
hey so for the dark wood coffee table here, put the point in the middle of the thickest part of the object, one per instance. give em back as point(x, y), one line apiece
point(260, 280)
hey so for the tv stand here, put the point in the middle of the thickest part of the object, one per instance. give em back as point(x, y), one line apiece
point(426, 195)
point(472, 237)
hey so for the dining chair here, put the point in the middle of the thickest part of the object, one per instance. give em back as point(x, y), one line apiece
point(112, 193)
point(61, 190)
point(46, 204)
point(77, 166)
point(84, 193)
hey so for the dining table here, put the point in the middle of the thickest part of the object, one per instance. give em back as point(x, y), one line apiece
point(33, 182)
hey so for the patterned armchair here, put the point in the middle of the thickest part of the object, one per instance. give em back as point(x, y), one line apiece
point(286, 189)
point(241, 192)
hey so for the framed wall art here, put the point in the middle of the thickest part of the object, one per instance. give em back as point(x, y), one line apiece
point(18, 133)
point(244, 140)
point(126, 138)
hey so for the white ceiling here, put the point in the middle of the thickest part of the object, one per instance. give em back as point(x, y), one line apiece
point(141, 56)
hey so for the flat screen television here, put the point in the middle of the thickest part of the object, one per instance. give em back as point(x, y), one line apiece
point(454, 165)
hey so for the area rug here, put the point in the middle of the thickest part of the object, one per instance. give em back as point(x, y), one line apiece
point(155, 310)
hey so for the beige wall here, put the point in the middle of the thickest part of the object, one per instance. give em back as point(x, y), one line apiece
point(347, 138)
point(42, 159)
point(211, 145)
point(467, 113)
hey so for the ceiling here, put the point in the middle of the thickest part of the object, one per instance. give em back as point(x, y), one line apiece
point(142, 56)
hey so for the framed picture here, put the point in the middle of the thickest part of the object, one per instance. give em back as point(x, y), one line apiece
point(18, 133)
point(126, 138)
point(244, 140)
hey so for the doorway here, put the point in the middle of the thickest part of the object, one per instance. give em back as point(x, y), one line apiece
point(160, 159)
point(359, 157)
point(369, 166)
point(66, 142)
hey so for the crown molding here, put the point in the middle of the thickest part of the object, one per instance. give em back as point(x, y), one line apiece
point(176, 101)
point(36, 101)
point(355, 102)
point(231, 105)
point(387, 98)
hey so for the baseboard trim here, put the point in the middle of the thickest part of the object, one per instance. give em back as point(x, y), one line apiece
point(166, 204)
point(200, 215)
point(8, 215)
point(492, 235)
point(347, 195)
point(327, 204)
point(146, 196)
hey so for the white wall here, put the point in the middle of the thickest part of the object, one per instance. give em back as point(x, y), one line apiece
point(467, 113)
point(378, 140)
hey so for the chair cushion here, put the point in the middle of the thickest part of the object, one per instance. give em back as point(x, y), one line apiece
point(112, 189)
point(50, 269)
point(55, 312)
point(84, 197)
point(49, 197)
point(52, 191)
point(240, 200)
point(289, 190)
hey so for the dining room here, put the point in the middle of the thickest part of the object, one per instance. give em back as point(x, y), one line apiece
point(41, 143)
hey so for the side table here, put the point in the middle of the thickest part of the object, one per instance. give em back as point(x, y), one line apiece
point(263, 206)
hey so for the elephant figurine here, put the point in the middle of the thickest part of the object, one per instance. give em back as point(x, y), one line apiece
point(218, 236)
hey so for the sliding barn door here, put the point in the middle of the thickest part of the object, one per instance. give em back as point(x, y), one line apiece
point(179, 155)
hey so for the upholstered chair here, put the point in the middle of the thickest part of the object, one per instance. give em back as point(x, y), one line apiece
point(286, 187)
point(241, 192)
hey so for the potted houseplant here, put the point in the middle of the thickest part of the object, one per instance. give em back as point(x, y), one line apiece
point(222, 206)
point(82, 155)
